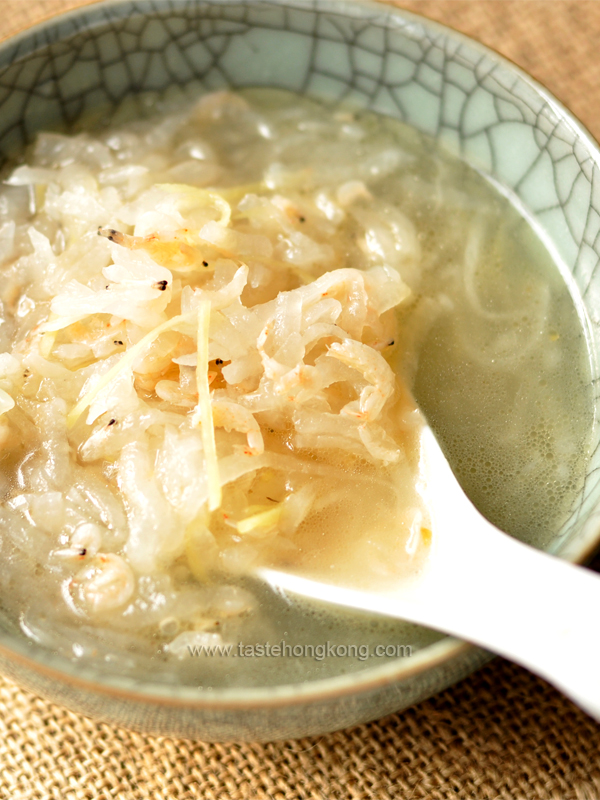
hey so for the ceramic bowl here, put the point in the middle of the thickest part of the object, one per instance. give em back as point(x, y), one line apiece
point(90, 62)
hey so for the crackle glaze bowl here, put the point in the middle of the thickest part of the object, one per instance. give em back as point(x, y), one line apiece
point(93, 60)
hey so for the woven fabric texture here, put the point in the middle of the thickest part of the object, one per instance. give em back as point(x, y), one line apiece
point(502, 734)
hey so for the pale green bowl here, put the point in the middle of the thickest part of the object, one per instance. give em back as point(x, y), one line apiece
point(92, 60)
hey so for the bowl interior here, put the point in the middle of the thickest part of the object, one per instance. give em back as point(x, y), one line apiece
point(89, 64)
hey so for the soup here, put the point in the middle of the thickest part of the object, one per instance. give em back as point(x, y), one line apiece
point(202, 316)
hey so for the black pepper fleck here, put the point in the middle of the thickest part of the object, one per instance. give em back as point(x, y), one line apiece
point(205, 263)
point(112, 422)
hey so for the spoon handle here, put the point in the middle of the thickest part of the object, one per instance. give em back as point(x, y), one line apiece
point(526, 605)
point(492, 589)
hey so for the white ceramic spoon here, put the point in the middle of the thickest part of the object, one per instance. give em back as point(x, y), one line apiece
point(484, 586)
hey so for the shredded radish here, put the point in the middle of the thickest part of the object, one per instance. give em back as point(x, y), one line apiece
point(194, 196)
point(201, 360)
point(126, 362)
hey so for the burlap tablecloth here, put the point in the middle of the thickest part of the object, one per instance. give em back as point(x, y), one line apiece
point(500, 734)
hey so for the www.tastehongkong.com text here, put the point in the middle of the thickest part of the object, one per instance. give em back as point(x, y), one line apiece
point(318, 652)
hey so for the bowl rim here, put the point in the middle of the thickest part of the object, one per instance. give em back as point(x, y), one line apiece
point(359, 682)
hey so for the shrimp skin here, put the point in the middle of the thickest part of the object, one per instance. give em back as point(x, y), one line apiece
point(106, 583)
point(235, 417)
point(168, 252)
point(374, 369)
